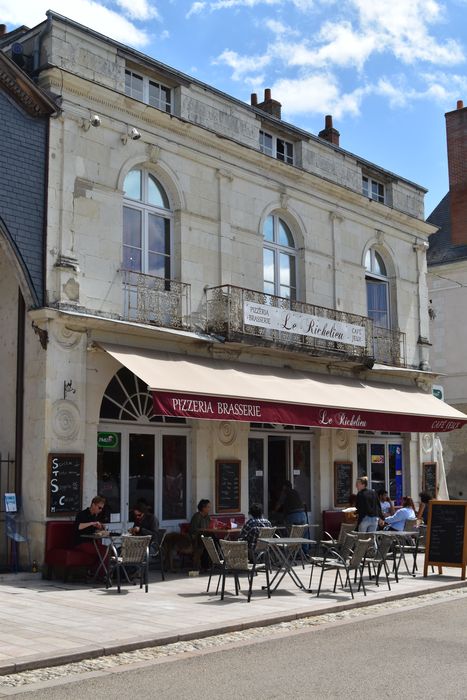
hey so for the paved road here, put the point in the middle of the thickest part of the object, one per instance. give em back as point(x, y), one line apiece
point(417, 652)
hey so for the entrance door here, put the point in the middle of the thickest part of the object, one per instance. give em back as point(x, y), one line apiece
point(135, 464)
point(381, 460)
point(273, 459)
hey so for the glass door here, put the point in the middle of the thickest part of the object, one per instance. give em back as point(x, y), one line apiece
point(381, 460)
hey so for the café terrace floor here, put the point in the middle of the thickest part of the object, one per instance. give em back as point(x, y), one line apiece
point(43, 623)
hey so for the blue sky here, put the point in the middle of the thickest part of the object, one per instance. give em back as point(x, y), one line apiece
point(386, 70)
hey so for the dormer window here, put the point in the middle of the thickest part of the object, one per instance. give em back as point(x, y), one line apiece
point(276, 147)
point(373, 189)
point(142, 88)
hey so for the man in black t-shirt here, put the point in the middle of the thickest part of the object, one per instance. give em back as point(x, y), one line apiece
point(368, 506)
point(87, 523)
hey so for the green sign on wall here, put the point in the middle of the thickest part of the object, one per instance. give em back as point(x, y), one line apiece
point(107, 440)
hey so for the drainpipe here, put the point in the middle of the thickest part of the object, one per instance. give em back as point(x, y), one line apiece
point(36, 60)
point(334, 218)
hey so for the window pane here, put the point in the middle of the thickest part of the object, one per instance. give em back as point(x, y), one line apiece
point(268, 266)
point(156, 194)
point(377, 299)
point(255, 471)
point(131, 259)
point(284, 151)
point(368, 261)
point(378, 467)
point(286, 272)
point(265, 143)
point(134, 85)
point(269, 288)
point(156, 265)
point(285, 235)
point(154, 94)
point(268, 229)
point(132, 185)
point(131, 227)
point(141, 469)
point(289, 153)
point(378, 265)
point(362, 464)
point(158, 234)
point(365, 186)
point(165, 98)
point(301, 470)
point(174, 477)
point(108, 476)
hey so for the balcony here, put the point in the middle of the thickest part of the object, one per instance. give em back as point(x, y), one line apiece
point(245, 315)
point(155, 300)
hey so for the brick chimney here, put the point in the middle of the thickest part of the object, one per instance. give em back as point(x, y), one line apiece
point(269, 105)
point(329, 133)
point(456, 133)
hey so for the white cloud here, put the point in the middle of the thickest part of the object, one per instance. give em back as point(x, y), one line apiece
point(87, 12)
point(317, 94)
point(279, 28)
point(242, 64)
point(195, 9)
point(138, 9)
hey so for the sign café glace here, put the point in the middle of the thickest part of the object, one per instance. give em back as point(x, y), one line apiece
point(296, 322)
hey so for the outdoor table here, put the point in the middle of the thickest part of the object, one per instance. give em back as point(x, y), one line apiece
point(99, 538)
point(285, 551)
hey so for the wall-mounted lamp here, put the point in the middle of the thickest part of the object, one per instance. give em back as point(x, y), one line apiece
point(132, 134)
point(94, 120)
point(68, 388)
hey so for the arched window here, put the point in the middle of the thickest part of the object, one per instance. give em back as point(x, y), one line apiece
point(146, 226)
point(377, 289)
point(279, 258)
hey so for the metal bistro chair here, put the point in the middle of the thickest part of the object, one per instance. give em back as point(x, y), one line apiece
point(416, 545)
point(134, 553)
point(236, 562)
point(353, 565)
point(325, 561)
point(345, 529)
point(299, 531)
point(217, 564)
point(378, 559)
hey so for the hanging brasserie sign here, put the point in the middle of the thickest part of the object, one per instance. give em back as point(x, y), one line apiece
point(276, 319)
point(225, 408)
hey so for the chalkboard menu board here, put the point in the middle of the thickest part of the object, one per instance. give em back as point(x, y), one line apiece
point(64, 484)
point(228, 486)
point(342, 483)
point(430, 478)
point(446, 542)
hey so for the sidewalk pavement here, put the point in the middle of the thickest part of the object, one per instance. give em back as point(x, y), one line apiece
point(45, 623)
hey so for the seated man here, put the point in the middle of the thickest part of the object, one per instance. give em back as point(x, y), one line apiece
point(252, 526)
point(201, 520)
point(145, 523)
point(87, 523)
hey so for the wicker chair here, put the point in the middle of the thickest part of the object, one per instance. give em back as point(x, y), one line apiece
point(217, 564)
point(299, 531)
point(334, 544)
point(353, 565)
point(236, 562)
point(134, 553)
point(260, 549)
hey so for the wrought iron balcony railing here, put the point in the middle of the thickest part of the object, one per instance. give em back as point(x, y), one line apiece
point(243, 314)
point(155, 300)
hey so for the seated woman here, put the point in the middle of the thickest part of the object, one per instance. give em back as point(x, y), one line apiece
point(385, 502)
point(400, 517)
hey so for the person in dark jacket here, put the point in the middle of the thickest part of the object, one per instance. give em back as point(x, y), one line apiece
point(145, 523)
point(368, 506)
point(291, 505)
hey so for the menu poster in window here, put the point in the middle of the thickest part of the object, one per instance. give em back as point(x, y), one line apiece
point(228, 486)
point(342, 483)
point(64, 484)
point(446, 539)
point(430, 478)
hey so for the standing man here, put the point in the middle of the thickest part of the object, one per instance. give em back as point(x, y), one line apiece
point(291, 505)
point(368, 506)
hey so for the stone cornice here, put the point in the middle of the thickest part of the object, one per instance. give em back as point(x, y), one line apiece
point(25, 93)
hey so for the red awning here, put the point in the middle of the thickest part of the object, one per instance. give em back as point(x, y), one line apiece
point(185, 386)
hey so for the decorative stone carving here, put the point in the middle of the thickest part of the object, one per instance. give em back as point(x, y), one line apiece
point(342, 439)
point(427, 442)
point(227, 433)
point(65, 420)
point(65, 337)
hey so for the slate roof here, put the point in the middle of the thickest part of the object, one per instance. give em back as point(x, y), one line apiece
point(441, 249)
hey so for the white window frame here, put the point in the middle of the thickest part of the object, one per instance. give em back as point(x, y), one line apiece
point(372, 276)
point(268, 144)
point(373, 189)
point(277, 249)
point(146, 210)
point(165, 105)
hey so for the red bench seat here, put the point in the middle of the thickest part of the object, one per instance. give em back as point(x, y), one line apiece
point(59, 550)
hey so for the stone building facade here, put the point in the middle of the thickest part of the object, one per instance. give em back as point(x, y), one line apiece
point(447, 279)
point(179, 219)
